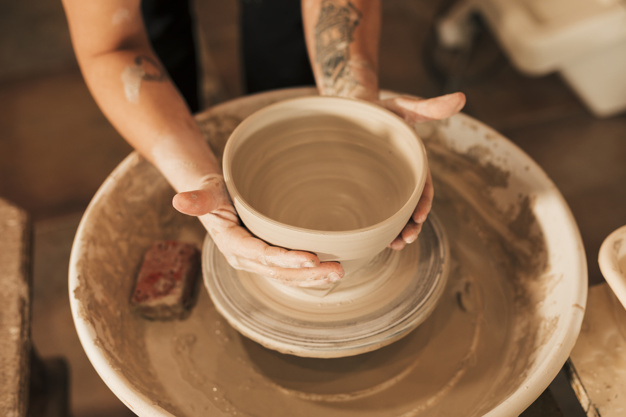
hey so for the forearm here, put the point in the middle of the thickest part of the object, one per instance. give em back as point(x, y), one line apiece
point(138, 98)
point(134, 92)
point(342, 39)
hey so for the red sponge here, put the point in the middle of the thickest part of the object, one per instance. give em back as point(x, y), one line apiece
point(165, 285)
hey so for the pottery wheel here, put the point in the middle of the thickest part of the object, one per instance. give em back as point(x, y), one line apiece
point(370, 308)
point(504, 326)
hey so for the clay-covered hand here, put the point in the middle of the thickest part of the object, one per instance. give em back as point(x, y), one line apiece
point(415, 110)
point(212, 205)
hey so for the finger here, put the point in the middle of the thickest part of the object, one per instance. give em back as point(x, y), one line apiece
point(397, 244)
point(411, 231)
point(308, 284)
point(425, 202)
point(245, 251)
point(283, 258)
point(236, 241)
point(324, 273)
point(420, 110)
point(195, 203)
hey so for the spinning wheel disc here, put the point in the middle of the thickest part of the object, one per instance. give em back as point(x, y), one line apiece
point(371, 307)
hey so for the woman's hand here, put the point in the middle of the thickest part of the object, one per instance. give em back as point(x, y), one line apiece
point(415, 110)
point(212, 205)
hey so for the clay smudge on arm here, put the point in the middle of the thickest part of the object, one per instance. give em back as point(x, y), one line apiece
point(120, 16)
point(145, 68)
point(333, 36)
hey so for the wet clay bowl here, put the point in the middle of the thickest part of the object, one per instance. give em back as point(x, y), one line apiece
point(339, 178)
point(333, 176)
point(503, 328)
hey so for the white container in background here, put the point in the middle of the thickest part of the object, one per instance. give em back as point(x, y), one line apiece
point(584, 40)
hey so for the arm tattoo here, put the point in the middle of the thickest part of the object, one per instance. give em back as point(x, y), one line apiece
point(144, 68)
point(333, 35)
point(150, 68)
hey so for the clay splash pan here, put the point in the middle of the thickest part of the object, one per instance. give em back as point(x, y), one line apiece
point(503, 327)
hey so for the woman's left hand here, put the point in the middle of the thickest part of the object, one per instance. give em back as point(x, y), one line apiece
point(415, 110)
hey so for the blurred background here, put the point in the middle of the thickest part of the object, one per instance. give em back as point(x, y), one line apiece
point(56, 148)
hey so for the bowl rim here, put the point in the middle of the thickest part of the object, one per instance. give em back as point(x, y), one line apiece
point(609, 263)
point(238, 199)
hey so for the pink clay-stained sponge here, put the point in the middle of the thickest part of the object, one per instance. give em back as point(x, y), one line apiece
point(166, 281)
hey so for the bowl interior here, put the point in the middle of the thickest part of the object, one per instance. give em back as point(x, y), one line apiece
point(324, 164)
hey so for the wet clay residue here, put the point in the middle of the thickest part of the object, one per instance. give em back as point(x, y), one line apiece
point(513, 239)
point(216, 128)
point(137, 213)
point(470, 354)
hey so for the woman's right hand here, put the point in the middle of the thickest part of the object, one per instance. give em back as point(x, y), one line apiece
point(212, 205)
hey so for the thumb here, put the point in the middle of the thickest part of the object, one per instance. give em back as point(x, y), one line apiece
point(195, 203)
point(421, 110)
